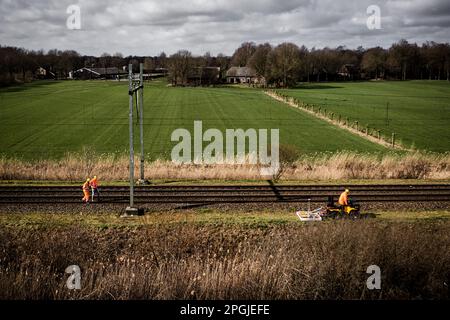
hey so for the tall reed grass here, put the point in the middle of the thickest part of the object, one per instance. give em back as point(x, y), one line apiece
point(326, 261)
point(325, 166)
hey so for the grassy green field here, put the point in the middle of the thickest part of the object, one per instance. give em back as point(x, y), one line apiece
point(198, 217)
point(48, 119)
point(418, 111)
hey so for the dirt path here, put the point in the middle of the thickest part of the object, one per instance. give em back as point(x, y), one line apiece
point(381, 142)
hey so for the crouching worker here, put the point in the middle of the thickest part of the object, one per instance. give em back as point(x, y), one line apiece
point(94, 188)
point(86, 191)
point(343, 199)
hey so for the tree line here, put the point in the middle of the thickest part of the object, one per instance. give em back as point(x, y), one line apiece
point(282, 65)
point(286, 64)
point(18, 65)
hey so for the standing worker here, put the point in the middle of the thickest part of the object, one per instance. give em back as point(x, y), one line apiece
point(86, 191)
point(94, 188)
point(343, 199)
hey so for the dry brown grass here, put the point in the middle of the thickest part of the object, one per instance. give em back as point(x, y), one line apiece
point(320, 261)
point(342, 165)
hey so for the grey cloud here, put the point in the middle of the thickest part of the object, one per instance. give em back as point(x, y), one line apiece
point(149, 27)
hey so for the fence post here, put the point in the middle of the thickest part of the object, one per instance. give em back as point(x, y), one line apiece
point(379, 135)
point(393, 139)
point(357, 125)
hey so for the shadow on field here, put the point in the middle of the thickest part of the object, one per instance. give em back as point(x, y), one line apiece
point(26, 86)
point(275, 190)
point(192, 206)
point(368, 215)
point(316, 86)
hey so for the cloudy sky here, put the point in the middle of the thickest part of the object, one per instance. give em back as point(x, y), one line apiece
point(152, 26)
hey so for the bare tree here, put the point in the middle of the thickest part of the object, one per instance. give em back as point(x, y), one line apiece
point(285, 63)
point(242, 54)
point(117, 60)
point(224, 63)
point(162, 60)
point(149, 63)
point(402, 58)
point(258, 61)
point(374, 62)
point(105, 60)
point(179, 66)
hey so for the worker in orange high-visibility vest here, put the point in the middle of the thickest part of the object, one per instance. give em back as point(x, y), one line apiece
point(86, 190)
point(94, 188)
point(343, 199)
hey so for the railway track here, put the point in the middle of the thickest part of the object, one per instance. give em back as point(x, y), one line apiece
point(192, 194)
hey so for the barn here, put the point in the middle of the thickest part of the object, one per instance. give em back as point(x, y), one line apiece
point(241, 75)
point(99, 73)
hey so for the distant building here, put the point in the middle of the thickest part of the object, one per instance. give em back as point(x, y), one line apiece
point(241, 75)
point(349, 72)
point(42, 74)
point(201, 76)
point(155, 73)
point(99, 73)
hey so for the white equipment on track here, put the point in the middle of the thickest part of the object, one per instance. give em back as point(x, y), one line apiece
point(310, 215)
